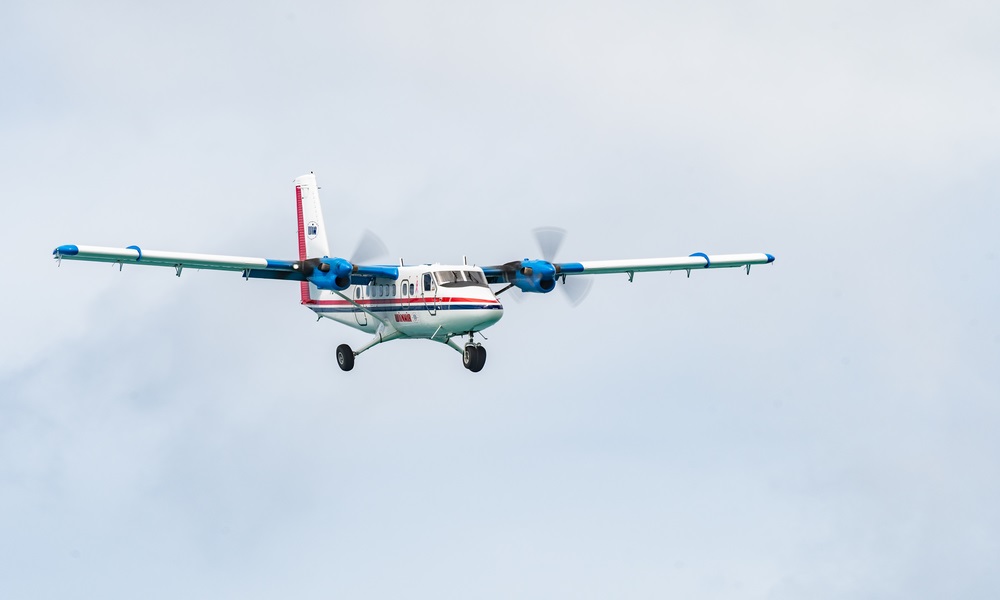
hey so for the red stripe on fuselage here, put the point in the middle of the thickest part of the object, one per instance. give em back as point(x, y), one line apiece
point(370, 302)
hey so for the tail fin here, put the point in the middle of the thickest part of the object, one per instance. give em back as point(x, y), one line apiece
point(312, 231)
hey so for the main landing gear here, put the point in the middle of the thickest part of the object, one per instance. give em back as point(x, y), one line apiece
point(474, 357)
point(345, 357)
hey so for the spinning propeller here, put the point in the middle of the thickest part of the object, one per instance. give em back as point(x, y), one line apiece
point(542, 276)
point(549, 240)
point(369, 249)
point(335, 273)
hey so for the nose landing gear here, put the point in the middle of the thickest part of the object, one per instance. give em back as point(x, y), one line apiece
point(474, 357)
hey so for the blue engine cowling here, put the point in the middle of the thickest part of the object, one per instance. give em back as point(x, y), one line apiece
point(536, 276)
point(328, 273)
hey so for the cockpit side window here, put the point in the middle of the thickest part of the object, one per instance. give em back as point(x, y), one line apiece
point(460, 278)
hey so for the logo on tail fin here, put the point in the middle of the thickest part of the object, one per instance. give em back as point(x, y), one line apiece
point(311, 230)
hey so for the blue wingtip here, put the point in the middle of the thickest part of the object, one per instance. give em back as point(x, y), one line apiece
point(770, 258)
point(67, 250)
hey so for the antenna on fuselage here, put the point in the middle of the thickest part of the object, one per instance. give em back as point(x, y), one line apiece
point(465, 260)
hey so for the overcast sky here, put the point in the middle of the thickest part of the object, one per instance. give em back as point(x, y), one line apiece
point(824, 428)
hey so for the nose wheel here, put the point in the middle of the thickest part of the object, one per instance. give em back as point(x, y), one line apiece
point(474, 357)
point(345, 357)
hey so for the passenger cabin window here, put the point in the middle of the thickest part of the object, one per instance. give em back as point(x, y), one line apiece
point(460, 278)
point(357, 294)
point(392, 293)
point(413, 291)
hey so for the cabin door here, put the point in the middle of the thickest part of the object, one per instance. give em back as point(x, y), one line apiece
point(428, 291)
point(359, 314)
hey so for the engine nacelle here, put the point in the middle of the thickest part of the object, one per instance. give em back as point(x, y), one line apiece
point(328, 273)
point(536, 276)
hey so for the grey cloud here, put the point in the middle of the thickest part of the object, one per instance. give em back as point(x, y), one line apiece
point(821, 427)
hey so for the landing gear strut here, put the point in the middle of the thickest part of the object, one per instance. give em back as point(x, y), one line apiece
point(345, 357)
point(474, 357)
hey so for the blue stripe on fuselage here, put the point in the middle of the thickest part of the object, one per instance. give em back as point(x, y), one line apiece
point(397, 308)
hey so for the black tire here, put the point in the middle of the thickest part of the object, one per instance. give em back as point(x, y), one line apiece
point(474, 358)
point(345, 357)
point(481, 351)
point(469, 357)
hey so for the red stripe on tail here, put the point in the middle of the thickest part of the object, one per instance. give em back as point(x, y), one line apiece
point(304, 286)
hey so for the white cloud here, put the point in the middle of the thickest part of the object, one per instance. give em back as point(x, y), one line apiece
point(822, 426)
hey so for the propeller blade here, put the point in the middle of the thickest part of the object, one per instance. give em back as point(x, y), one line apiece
point(577, 288)
point(549, 240)
point(370, 248)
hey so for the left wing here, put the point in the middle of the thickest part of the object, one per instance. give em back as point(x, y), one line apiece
point(541, 275)
point(698, 260)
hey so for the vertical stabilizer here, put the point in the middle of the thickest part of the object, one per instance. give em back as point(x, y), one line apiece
point(312, 231)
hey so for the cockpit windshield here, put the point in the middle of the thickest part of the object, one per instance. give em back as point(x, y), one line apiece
point(460, 278)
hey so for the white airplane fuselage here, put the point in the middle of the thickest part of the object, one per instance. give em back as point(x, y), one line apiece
point(426, 302)
point(444, 303)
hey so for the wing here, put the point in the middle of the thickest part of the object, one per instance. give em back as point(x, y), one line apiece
point(177, 260)
point(532, 275)
point(698, 260)
point(262, 268)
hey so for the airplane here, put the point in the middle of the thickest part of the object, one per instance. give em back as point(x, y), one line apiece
point(437, 302)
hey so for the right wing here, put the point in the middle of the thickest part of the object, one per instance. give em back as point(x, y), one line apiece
point(274, 269)
point(314, 270)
